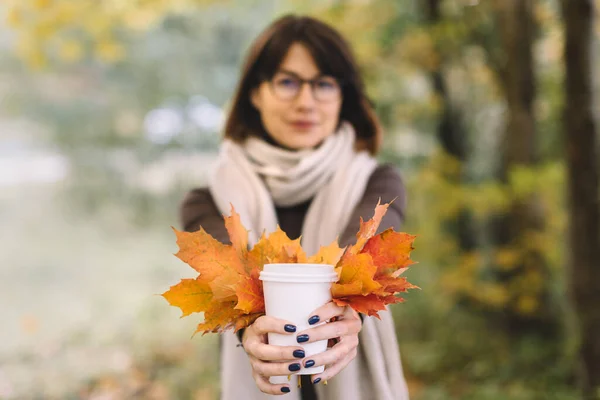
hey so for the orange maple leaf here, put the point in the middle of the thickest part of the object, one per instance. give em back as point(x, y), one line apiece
point(369, 228)
point(390, 251)
point(237, 233)
point(369, 271)
point(250, 295)
point(356, 274)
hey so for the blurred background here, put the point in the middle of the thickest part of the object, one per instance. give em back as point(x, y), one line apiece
point(111, 110)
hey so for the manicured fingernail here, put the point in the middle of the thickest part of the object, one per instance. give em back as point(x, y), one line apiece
point(302, 338)
point(299, 353)
point(294, 367)
point(314, 319)
point(285, 389)
point(309, 363)
point(290, 328)
point(316, 381)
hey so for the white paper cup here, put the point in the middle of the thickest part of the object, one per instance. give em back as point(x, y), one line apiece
point(292, 292)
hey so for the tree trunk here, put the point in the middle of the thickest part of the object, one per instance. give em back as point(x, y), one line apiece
point(581, 147)
point(451, 134)
point(515, 22)
point(510, 231)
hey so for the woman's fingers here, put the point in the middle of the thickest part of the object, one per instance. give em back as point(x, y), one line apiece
point(274, 369)
point(255, 340)
point(266, 387)
point(275, 353)
point(335, 369)
point(334, 355)
point(325, 313)
point(267, 324)
point(331, 330)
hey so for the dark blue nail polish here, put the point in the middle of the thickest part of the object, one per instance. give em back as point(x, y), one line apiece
point(316, 381)
point(294, 367)
point(309, 363)
point(314, 319)
point(285, 389)
point(302, 338)
point(290, 328)
point(299, 353)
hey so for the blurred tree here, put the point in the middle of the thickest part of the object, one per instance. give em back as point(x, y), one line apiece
point(584, 209)
point(529, 309)
point(451, 132)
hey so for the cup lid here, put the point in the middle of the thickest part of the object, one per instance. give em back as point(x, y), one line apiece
point(298, 272)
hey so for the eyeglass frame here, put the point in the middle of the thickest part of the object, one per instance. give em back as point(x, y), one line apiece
point(311, 82)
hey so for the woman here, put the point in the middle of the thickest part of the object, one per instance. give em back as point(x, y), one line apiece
point(298, 152)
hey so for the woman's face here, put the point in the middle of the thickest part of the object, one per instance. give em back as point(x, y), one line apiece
point(296, 114)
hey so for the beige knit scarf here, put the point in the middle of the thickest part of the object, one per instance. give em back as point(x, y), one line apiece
point(254, 178)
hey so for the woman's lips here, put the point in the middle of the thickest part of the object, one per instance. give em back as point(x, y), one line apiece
point(302, 124)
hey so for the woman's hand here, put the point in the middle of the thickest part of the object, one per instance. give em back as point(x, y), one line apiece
point(344, 330)
point(267, 360)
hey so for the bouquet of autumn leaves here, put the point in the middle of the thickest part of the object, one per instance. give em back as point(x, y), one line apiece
point(228, 289)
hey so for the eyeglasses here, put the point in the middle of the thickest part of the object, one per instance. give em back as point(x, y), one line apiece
point(287, 86)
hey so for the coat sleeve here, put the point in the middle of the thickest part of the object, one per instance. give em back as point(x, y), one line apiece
point(385, 184)
point(198, 209)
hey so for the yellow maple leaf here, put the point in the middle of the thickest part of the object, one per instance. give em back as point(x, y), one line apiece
point(275, 247)
point(190, 295)
point(327, 254)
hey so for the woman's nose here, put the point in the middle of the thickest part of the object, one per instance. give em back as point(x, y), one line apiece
point(306, 96)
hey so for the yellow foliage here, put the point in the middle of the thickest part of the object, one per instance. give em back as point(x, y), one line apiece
point(471, 261)
point(492, 294)
point(49, 20)
point(486, 198)
point(535, 241)
point(523, 181)
point(507, 258)
point(109, 50)
point(140, 20)
point(41, 4)
point(97, 25)
point(447, 248)
point(31, 53)
point(14, 17)
point(71, 50)
point(527, 305)
point(419, 48)
point(357, 20)
point(460, 278)
point(440, 196)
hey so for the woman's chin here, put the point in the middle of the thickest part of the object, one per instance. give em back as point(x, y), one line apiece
point(304, 144)
point(305, 140)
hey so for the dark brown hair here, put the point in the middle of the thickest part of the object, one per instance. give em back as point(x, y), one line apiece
point(333, 56)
